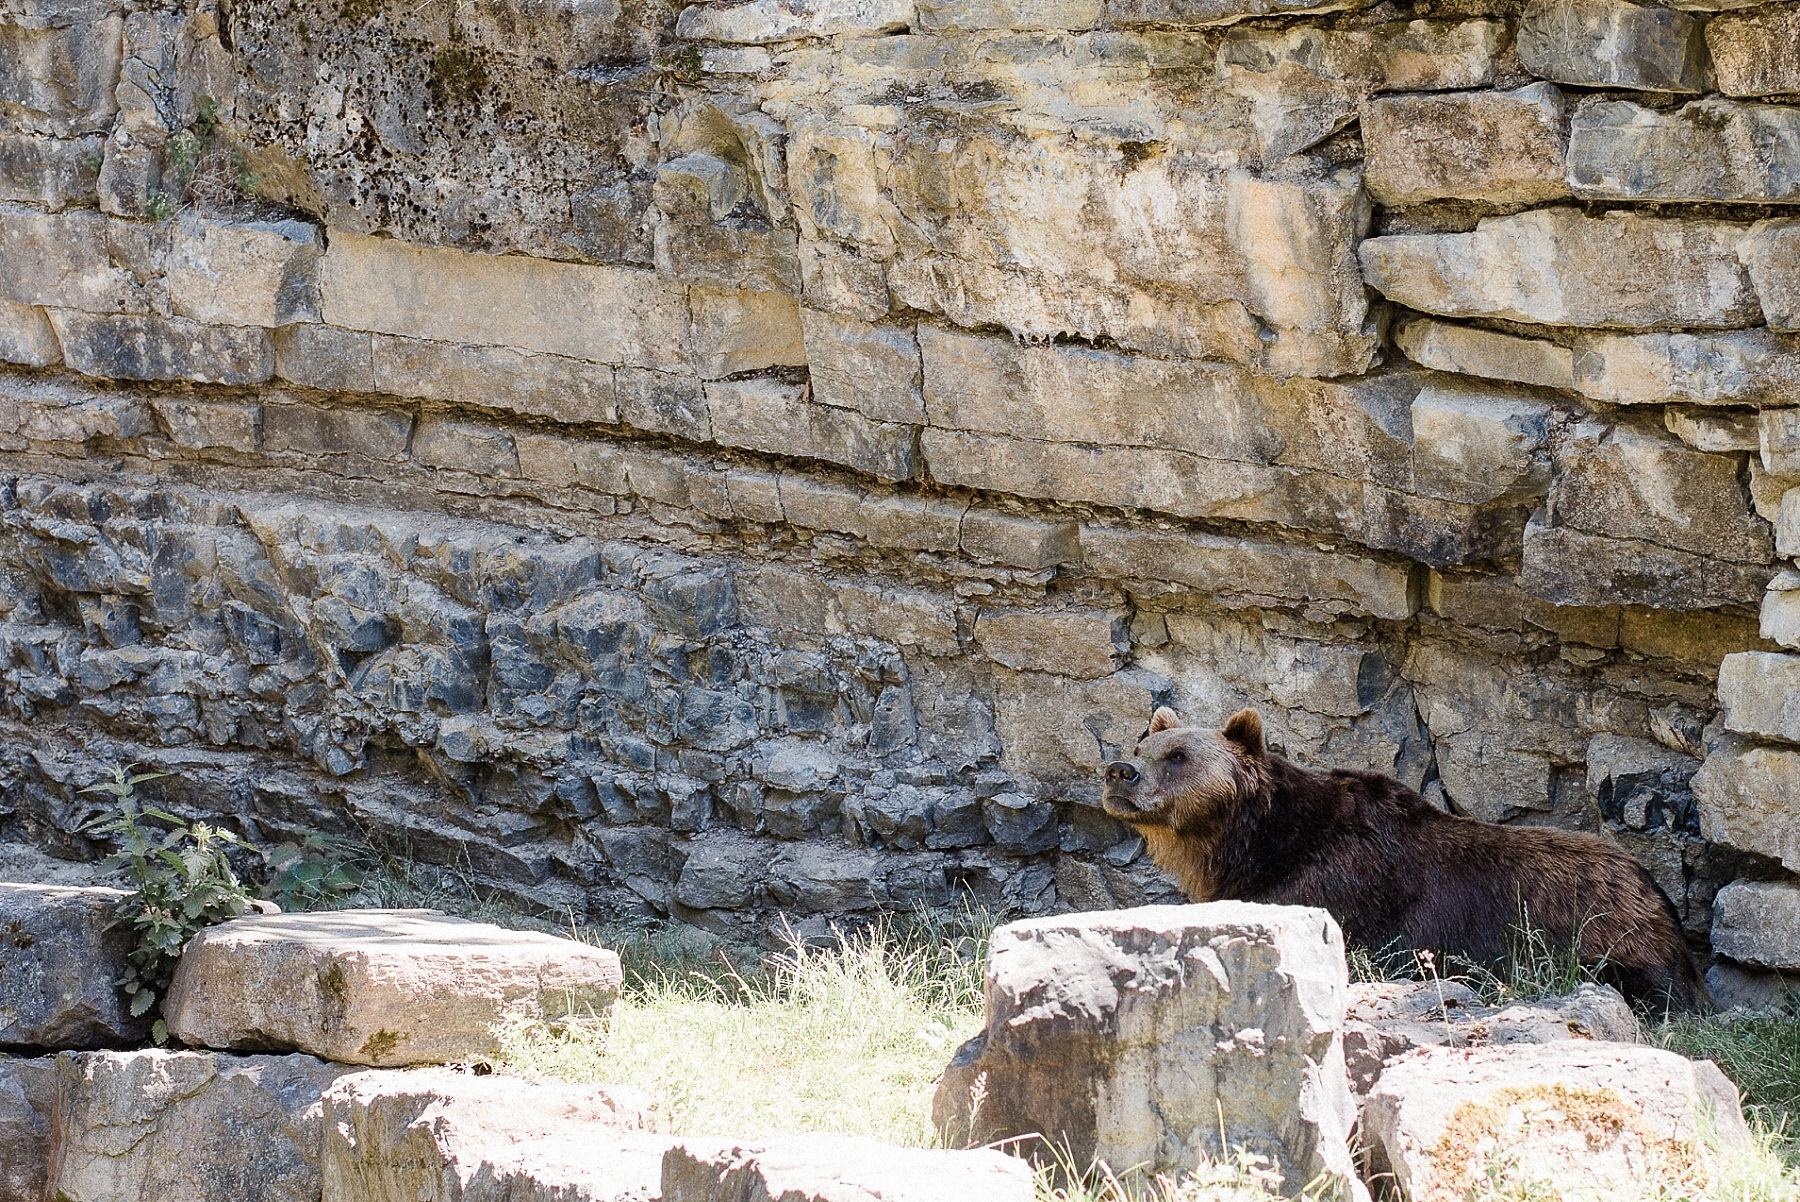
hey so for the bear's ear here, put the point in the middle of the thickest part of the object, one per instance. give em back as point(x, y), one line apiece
point(1163, 719)
point(1245, 729)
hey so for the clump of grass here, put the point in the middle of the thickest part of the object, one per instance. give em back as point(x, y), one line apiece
point(1242, 1176)
point(848, 1038)
point(1761, 1055)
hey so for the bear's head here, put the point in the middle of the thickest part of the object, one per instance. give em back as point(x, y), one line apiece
point(1184, 779)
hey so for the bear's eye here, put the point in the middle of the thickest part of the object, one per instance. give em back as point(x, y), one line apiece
point(1178, 756)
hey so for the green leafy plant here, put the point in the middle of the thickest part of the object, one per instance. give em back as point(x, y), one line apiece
point(318, 873)
point(182, 879)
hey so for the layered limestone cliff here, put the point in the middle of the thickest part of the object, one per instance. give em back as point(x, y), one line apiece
point(740, 459)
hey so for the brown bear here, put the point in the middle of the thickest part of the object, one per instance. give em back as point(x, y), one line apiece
point(1228, 819)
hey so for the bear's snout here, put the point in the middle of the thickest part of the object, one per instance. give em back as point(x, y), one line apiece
point(1120, 772)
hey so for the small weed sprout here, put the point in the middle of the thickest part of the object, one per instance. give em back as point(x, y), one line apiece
point(182, 880)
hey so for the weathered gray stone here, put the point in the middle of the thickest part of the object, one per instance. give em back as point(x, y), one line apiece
point(61, 958)
point(200, 425)
point(1613, 43)
point(1146, 1037)
point(1244, 572)
point(735, 332)
point(382, 987)
point(711, 231)
point(1575, 1118)
point(141, 347)
point(1023, 542)
point(762, 22)
point(27, 1105)
point(1787, 525)
point(1638, 482)
point(433, 1135)
point(555, 386)
point(325, 357)
point(1496, 147)
point(944, 15)
point(1557, 266)
point(78, 260)
point(1778, 441)
point(389, 287)
point(50, 173)
point(1756, 53)
point(1768, 253)
point(1710, 150)
point(1471, 351)
point(1748, 796)
point(1758, 923)
point(1760, 695)
point(312, 431)
point(1736, 988)
point(1781, 609)
point(870, 368)
point(838, 1168)
point(26, 337)
point(1388, 1019)
point(1714, 433)
point(1743, 367)
point(774, 416)
point(465, 447)
point(58, 79)
point(244, 273)
point(164, 1126)
point(1478, 446)
point(1568, 566)
point(1214, 12)
point(1079, 643)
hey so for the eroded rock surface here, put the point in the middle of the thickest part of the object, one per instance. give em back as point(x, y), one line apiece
point(61, 957)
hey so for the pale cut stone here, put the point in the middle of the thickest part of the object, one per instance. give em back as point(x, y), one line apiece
point(1778, 441)
point(946, 15)
point(141, 347)
point(60, 77)
point(26, 337)
point(1787, 525)
point(1020, 541)
point(1079, 643)
point(61, 958)
point(1566, 566)
point(1146, 1037)
point(1215, 12)
point(201, 425)
point(64, 260)
point(380, 987)
point(908, 523)
point(1742, 367)
point(1478, 446)
point(1756, 53)
point(1780, 617)
point(434, 1135)
point(316, 356)
point(48, 173)
point(1613, 43)
point(838, 1168)
point(1496, 147)
point(1471, 351)
point(1558, 266)
point(162, 1126)
point(870, 368)
point(1710, 150)
point(1758, 922)
point(612, 315)
point(1769, 253)
point(1248, 572)
point(465, 446)
point(27, 1105)
point(736, 332)
point(490, 377)
point(763, 22)
point(1760, 693)
point(777, 417)
point(244, 273)
point(1714, 433)
point(1748, 796)
point(1576, 1118)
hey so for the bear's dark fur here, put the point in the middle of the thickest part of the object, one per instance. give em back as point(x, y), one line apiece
point(1227, 819)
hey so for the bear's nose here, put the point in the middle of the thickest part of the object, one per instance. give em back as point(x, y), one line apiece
point(1120, 772)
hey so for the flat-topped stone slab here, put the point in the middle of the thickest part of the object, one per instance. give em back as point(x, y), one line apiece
point(839, 1168)
point(378, 987)
point(60, 963)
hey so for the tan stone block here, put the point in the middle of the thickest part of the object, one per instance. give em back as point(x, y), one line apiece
point(65, 260)
point(1758, 922)
point(26, 336)
point(311, 430)
point(945, 15)
point(1778, 441)
point(1471, 351)
point(765, 22)
point(1748, 796)
point(1557, 266)
point(491, 377)
point(612, 315)
point(1566, 566)
point(140, 347)
point(1787, 525)
point(316, 356)
point(1495, 147)
point(775, 417)
point(253, 273)
point(1082, 643)
point(821, 504)
point(1756, 53)
point(1052, 727)
point(48, 173)
point(912, 523)
point(1214, 12)
point(1714, 433)
point(599, 466)
point(838, 1168)
point(1477, 445)
point(1713, 150)
point(1760, 695)
point(1780, 616)
point(1689, 637)
point(207, 425)
point(662, 402)
point(908, 617)
point(465, 447)
point(1025, 542)
point(1498, 603)
point(60, 78)
point(755, 496)
point(737, 332)
point(871, 368)
point(1742, 367)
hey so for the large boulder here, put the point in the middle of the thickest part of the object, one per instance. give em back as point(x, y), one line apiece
point(61, 958)
point(378, 987)
point(27, 1097)
point(1577, 1119)
point(838, 1168)
point(1387, 1019)
point(1147, 1038)
point(162, 1126)
point(437, 1135)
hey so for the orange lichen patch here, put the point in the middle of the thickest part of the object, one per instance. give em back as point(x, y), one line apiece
point(1492, 1148)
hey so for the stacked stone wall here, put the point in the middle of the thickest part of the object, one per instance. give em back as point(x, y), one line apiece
point(739, 459)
